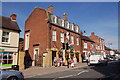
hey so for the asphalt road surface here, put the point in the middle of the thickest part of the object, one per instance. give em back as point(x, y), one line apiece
point(94, 72)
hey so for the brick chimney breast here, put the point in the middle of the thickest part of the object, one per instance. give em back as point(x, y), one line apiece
point(51, 9)
point(65, 17)
point(13, 17)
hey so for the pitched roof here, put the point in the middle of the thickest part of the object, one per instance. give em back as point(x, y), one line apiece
point(106, 48)
point(87, 38)
point(7, 23)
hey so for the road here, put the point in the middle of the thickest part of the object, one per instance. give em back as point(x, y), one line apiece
point(97, 72)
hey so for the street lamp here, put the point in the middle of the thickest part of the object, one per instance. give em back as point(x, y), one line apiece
point(65, 46)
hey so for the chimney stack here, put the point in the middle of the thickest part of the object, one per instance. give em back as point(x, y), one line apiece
point(92, 33)
point(51, 9)
point(65, 17)
point(13, 17)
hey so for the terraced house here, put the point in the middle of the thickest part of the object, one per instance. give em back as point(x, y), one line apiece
point(88, 47)
point(99, 44)
point(9, 40)
point(48, 36)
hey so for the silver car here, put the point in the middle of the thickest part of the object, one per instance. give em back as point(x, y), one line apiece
point(10, 75)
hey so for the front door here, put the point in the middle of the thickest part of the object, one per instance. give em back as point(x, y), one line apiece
point(53, 56)
point(36, 56)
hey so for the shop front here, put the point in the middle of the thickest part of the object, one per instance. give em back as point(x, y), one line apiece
point(6, 58)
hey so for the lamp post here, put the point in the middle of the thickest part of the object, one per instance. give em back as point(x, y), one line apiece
point(64, 51)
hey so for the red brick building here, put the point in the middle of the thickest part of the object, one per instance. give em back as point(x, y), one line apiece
point(87, 46)
point(99, 43)
point(45, 34)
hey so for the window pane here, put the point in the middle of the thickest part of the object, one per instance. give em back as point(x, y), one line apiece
point(3, 39)
point(10, 61)
point(54, 35)
point(4, 33)
point(5, 36)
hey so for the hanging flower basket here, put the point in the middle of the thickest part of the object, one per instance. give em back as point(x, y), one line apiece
point(77, 53)
point(83, 53)
point(61, 54)
point(72, 54)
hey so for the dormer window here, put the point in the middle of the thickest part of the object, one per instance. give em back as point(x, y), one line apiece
point(67, 25)
point(54, 19)
point(72, 27)
point(77, 30)
point(60, 22)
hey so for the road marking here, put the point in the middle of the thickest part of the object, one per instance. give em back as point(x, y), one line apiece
point(82, 72)
point(71, 75)
point(66, 76)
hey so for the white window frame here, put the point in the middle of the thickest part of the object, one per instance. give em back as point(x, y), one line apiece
point(92, 46)
point(85, 45)
point(62, 37)
point(55, 20)
point(27, 41)
point(72, 39)
point(63, 23)
point(35, 53)
point(53, 35)
point(60, 22)
point(72, 27)
point(6, 37)
point(77, 29)
point(68, 26)
point(77, 41)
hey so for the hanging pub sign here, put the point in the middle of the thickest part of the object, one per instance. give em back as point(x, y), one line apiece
point(71, 47)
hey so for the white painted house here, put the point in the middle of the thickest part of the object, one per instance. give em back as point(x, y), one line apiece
point(9, 40)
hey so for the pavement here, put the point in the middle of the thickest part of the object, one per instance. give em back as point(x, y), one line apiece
point(35, 70)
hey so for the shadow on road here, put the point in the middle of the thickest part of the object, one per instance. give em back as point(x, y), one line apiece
point(110, 71)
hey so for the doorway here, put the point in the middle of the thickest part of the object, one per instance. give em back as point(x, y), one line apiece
point(36, 56)
point(53, 56)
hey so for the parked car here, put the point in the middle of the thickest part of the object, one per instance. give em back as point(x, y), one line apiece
point(97, 59)
point(10, 75)
point(112, 58)
point(107, 59)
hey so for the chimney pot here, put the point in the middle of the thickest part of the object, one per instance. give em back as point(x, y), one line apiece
point(92, 33)
point(13, 17)
point(65, 17)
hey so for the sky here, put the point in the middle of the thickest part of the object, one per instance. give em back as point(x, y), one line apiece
point(59, 0)
point(98, 17)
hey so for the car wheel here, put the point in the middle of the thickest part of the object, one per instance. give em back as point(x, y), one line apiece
point(12, 78)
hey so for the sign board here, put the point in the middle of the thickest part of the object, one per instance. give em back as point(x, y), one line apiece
point(2, 49)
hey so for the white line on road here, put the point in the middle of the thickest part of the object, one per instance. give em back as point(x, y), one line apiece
point(71, 75)
point(66, 76)
point(82, 72)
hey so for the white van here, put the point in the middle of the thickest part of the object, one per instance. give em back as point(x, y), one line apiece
point(97, 58)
